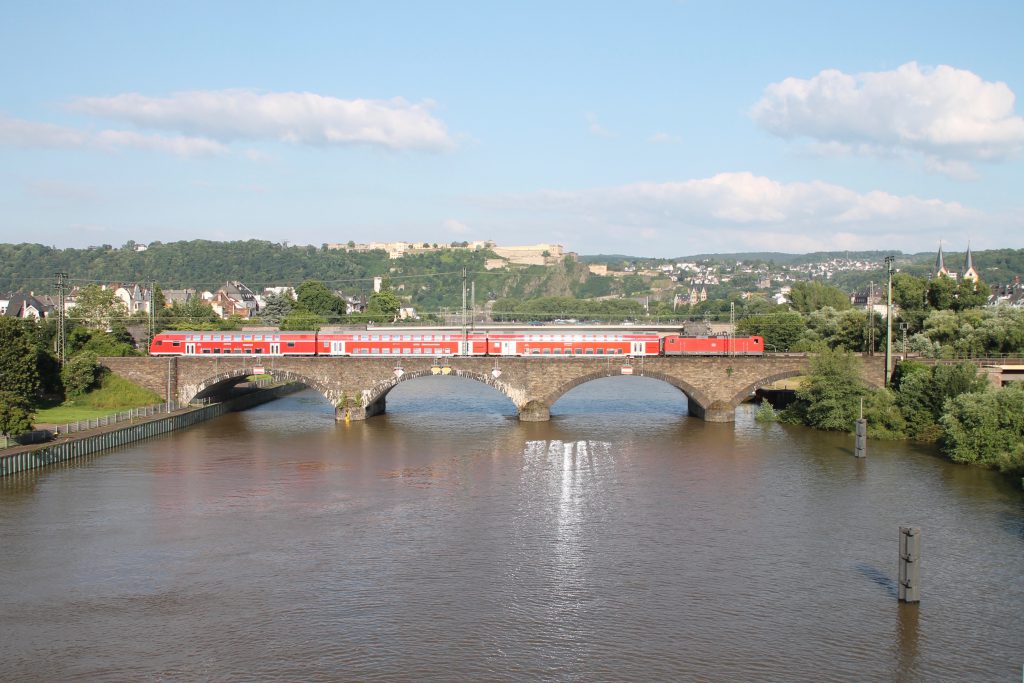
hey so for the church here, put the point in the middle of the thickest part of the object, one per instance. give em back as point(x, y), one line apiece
point(969, 272)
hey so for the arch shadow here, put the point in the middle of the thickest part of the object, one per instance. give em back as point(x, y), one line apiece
point(749, 389)
point(236, 375)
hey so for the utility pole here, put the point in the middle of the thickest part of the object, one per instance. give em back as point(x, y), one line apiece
point(152, 311)
point(871, 319)
point(732, 327)
point(888, 322)
point(61, 331)
point(472, 305)
point(464, 344)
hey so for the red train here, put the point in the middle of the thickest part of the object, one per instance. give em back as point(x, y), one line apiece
point(440, 342)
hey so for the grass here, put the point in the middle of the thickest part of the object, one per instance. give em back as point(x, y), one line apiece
point(113, 395)
point(788, 383)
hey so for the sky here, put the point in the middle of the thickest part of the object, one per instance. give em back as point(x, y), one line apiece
point(656, 128)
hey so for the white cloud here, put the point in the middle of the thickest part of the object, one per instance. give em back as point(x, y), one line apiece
point(662, 138)
point(742, 212)
point(19, 133)
point(943, 113)
point(292, 117)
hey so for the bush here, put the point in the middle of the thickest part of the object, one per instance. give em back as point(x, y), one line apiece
point(80, 373)
point(830, 396)
point(986, 428)
point(766, 413)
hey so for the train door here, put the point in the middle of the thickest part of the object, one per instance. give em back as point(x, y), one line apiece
point(508, 348)
point(275, 349)
point(190, 349)
point(637, 348)
point(337, 348)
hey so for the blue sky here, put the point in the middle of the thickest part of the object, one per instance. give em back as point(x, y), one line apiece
point(652, 128)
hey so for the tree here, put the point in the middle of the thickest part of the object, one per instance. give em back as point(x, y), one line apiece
point(19, 370)
point(812, 295)
point(301, 320)
point(830, 396)
point(780, 330)
point(941, 293)
point(97, 308)
point(316, 298)
point(80, 373)
point(384, 305)
point(276, 308)
point(922, 393)
point(15, 414)
point(986, 428)
point(909, 293)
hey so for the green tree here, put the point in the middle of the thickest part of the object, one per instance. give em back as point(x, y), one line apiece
point(276, 308)
point(780, 329)
point(986, 429)
point(97, 308)
point(812, 295)
point(19, 369)
point(829, 398)
point(922, 393)
point(80, 373)
point(301, 320)
point(384, 305)
point(909, 293)
point(195, 314)
point(316, 298)
point(15, 414)
point(941, 293)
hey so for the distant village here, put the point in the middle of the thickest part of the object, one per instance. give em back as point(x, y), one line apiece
point(686, 283)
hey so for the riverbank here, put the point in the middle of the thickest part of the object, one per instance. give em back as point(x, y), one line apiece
point(67, 448)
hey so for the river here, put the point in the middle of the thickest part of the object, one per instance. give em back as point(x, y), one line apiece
point(447, 541)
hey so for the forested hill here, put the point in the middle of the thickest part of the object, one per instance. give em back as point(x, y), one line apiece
point(432, 279)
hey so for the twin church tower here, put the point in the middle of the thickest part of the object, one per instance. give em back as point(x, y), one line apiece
point(969, 273)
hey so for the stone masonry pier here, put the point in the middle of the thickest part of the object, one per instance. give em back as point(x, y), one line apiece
point(358, 386)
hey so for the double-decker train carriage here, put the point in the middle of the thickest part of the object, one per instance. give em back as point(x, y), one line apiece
point(575, 344)
point(438, 343)
point(257, 343)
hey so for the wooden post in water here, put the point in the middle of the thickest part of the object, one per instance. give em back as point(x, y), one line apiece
point(910, 564)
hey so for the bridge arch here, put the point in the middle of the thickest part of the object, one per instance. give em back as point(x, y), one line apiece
point(376, 395)
point(190, 392)
point(741, 395)
point(696, 399)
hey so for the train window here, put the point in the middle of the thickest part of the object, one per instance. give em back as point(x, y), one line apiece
point(247, 337)
point(259, 349)
point(589, 352)
point(248, 350)
point(558, 352)
point(206, 350)
point(176, 343)
point(407, 351)
point(599, 351)
point(385, 350)
point(217, 350)
point(417, 337)
point(374, 351)
point(406, 337)
point(547, 351)
point(535, 351)
point(206, 337)
point(291, 345)
point(159, 342)
point(577, 350)
point(417, 350)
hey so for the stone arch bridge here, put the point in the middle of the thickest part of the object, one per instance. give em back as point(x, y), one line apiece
point(358, 386)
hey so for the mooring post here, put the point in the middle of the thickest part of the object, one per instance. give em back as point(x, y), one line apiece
point(860, 448)
point(910, 564)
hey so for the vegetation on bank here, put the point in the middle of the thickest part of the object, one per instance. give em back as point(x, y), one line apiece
point(952, 405)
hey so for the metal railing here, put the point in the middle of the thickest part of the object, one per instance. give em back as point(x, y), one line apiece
point(117, 418)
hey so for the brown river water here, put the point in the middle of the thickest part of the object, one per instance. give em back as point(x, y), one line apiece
point(446, 541)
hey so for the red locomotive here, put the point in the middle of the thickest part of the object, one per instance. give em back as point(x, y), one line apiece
point(439, 342)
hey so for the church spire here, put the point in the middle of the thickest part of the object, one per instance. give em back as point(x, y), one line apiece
point(940, 262)
point(969, 271)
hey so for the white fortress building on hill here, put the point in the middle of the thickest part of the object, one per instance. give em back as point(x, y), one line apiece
point(529, 255)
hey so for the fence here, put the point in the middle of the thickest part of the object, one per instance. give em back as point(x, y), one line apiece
point(117, 418)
